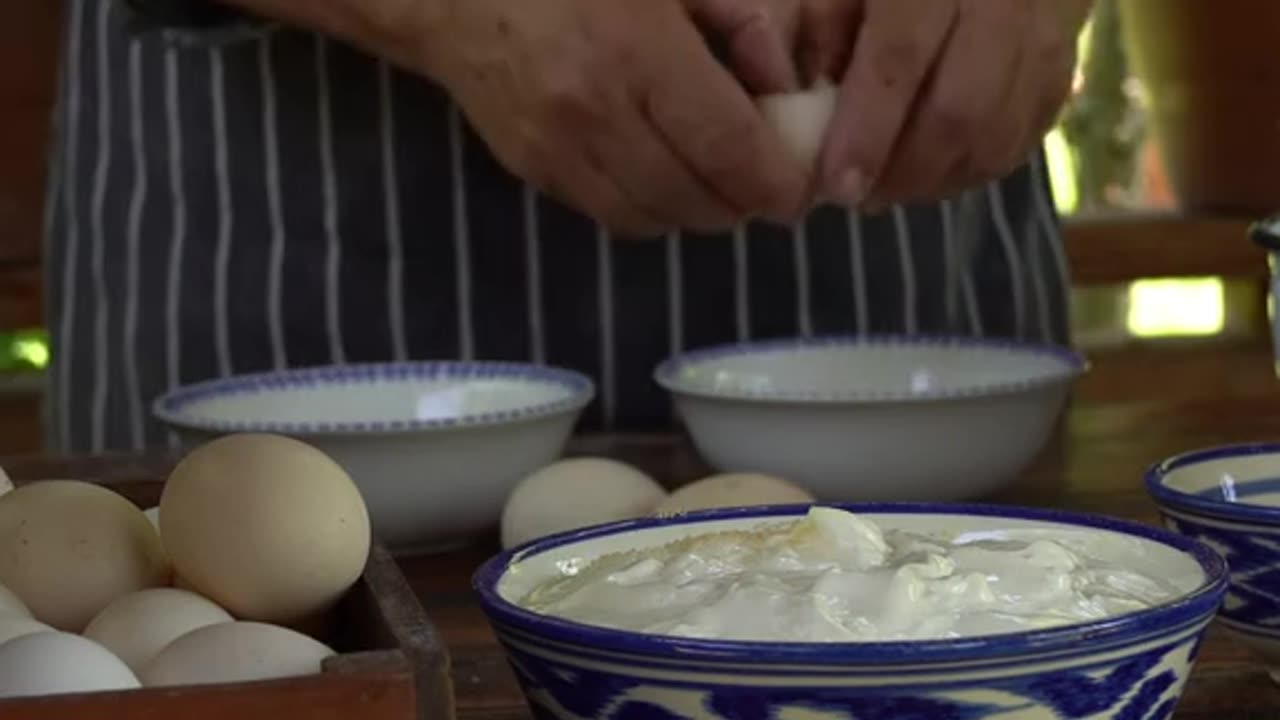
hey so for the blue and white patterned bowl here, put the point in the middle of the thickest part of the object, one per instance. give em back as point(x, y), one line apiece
point(435, 447)
point(874, 418)
point(1128, 667)
point(1229, 498)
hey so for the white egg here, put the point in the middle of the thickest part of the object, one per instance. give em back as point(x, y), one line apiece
point(137, 626)
point(268, 527)
point(576, 493)
point(11, 604)
point(235, 652)
point(5, 483)
point(734, 490)
point(153, 515)
point(12, 626)
point(801, 119)
point(50, 663)
point(69, 548)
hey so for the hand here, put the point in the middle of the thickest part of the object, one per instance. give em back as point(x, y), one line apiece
point(619, 107)
point(945, 94)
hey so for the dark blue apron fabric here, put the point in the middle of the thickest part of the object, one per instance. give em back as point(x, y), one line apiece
point(286, 201)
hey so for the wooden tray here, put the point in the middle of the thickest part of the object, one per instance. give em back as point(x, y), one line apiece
point(393, 665)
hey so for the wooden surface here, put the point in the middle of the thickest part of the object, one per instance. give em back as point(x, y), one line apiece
point(1133, 410)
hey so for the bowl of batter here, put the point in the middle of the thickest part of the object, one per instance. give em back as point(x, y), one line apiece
point(868, 611)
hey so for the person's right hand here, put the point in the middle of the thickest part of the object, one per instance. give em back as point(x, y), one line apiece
point(619, 108)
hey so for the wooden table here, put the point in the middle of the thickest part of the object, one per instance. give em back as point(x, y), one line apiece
point(1094, 463)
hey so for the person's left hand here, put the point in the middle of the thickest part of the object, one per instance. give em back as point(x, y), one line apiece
point(940, 95)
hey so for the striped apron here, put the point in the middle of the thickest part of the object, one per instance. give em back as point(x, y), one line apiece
point(287, 201)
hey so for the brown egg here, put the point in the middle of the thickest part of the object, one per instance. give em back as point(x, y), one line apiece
point(733, 490)
point(268, 527)
point(69, 548)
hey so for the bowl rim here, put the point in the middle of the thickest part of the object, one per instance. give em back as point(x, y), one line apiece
point(667, 373)
point(1203, 601)
point(1171, 497)
point(173, 407)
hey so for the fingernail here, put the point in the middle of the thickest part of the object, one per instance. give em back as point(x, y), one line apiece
point(850, 189)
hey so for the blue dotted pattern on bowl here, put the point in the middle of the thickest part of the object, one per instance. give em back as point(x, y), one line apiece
point(572, 670)
point(668, 374)
point(177, 408)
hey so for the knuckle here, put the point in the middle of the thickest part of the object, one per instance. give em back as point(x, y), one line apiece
point(955, 121)
point(897, 63)
point(567, 97)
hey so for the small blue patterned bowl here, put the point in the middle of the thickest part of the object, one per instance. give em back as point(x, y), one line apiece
point(1229, 498)
point(1131, 666)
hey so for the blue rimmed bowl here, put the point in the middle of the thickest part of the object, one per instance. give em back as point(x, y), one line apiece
point(1229, 498)
point(435, 447)
point(1130, 666)
point(874, 418)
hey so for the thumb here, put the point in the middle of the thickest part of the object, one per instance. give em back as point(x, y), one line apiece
point(756, 35)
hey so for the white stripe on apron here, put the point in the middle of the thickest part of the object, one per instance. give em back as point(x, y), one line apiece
point(329, 192)
point(275, 207)
point(222, 251)
point(66, 327)
point(391, 193)
point(102, 301)
point(461, 235)
point(137, 201)
point(902, 234)
point(533, 275)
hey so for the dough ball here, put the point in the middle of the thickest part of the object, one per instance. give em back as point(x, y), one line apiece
point(138, 626)
point(576, 493)
point(265, 526)
point(5, 483)
point(69, 548)
point(734, 490)
point(801, 119)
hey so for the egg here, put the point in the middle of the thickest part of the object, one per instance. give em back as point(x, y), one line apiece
point(734, 490)
point(12, 626)
point(153, 516)
point(50, 663)
point(11, 604)
point(69, 548)
point(265, 526)
point(137, 626)
point(5, 483)
point(235, 652)
point(801, 119)
point(576, 493)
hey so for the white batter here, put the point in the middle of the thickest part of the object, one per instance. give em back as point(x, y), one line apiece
point(837, 577)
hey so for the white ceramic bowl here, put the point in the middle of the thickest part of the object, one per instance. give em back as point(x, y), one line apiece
point(1122, 668)
point(1229, 498)
point(874, 418)
point(435, 447)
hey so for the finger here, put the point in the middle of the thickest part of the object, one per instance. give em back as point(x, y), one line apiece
point(655, 179)
point(969, 119)
point(824, 38)
point(708, 120)
point(757, 36)
point(579, 182)
point(896, 47)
